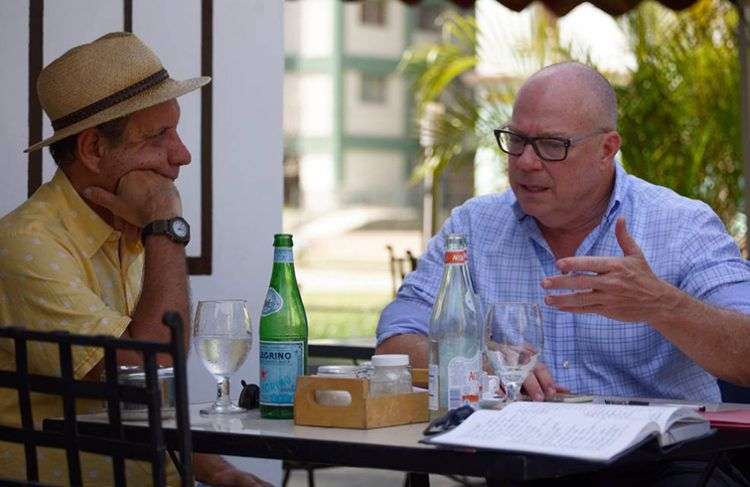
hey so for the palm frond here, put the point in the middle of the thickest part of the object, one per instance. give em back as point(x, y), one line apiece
point(680, 112)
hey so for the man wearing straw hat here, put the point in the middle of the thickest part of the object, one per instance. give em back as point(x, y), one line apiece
point(100, 249)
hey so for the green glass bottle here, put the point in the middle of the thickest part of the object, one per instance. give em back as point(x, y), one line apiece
point(283, 335)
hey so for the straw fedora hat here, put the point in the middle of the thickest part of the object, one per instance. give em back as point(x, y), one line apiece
point(109, 78)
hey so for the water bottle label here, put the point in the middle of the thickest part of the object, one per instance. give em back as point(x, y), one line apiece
point(463, 381)
point(433, 385)
point(455, 257)
point(283, 255)
point(273, 303)
point(280, 365)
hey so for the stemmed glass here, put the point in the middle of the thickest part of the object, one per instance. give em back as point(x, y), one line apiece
point(222, 334)
point(513, 342)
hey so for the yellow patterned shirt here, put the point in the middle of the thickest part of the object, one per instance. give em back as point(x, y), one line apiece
point(62, 267)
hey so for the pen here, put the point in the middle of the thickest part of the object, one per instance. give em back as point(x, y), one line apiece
point(633, 402)
point(626, 402)
point(697, 407)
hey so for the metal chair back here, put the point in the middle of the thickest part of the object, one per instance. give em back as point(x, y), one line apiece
point(400, 266)
point(115, 444)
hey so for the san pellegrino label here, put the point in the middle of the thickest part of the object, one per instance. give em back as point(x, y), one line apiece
point(273, 303)
point(280, 365)
point(285, 255)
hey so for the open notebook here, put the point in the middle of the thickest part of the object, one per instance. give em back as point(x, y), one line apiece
point(596, 432)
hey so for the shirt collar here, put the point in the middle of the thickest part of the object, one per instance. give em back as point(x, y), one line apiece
point(619, 191)
point(86, 227)
point(615, 200)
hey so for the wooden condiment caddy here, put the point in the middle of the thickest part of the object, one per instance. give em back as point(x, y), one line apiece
point(420, 378)
point(363, 412)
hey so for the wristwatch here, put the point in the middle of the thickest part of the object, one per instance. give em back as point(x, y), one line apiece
point(175, 228)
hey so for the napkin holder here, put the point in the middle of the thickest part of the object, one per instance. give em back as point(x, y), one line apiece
point(362, 412)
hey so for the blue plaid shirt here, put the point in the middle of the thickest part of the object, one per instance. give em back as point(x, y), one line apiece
point(683, 240)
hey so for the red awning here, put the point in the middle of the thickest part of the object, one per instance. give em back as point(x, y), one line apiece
point(562, 7)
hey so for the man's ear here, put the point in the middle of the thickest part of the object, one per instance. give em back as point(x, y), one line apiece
point(89, 149)
point(610, 146)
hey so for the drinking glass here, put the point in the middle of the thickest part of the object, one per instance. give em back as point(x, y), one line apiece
point(513, 341)
point(222, 334)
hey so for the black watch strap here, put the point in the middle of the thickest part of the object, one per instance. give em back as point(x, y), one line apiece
point(177, 229)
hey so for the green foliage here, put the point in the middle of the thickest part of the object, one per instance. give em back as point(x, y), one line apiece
point(680, 110)
point(432, 68)
point(436, 74)
point(353, 315)
point(472, 110)
point(434, 71)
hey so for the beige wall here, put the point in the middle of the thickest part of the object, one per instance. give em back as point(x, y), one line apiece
point(308, 27)
point(378, 41)
point(384, 181)
point(317, 181)
point(315, 92)
point(292, 104)
point(364, 118)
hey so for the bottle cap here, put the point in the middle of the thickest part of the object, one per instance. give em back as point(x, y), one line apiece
point(390, 360)
point(338, 370)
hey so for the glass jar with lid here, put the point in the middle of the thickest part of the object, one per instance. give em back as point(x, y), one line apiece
point(390, 375)
point(335, 397)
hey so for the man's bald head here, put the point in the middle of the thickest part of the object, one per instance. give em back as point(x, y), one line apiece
point(585, 87)
point(569, 102)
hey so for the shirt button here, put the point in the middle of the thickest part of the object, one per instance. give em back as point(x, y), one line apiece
point(565, 364)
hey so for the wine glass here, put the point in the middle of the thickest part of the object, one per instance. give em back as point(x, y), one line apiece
point(223, 334)
point(513, 342)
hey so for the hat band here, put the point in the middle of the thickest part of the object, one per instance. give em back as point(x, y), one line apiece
point(110, 101)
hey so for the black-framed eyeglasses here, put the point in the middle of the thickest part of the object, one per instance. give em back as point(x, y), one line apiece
point(550, 149)
point(449, 420)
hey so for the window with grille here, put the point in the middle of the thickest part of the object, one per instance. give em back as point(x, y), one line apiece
point(373, 12)
point(427, 17)
point(373, 88)
point(291, 180)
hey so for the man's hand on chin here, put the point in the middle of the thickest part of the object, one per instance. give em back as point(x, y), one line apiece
point(141, 197)
point(215, 471)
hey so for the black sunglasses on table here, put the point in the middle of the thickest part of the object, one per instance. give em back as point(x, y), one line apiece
point(448, 421)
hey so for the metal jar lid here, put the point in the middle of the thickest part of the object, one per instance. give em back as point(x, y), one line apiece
point(338, 370)
point(134, 374)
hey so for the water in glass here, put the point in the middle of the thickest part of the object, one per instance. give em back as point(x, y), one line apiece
point(222, 356)
point(222, 334)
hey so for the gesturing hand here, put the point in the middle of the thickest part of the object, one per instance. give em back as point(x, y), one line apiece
point(141, 197)
point(622, 288)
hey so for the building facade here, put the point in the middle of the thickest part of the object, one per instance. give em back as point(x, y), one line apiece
point(348, 132)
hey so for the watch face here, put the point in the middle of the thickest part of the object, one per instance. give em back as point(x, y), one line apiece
point(180, 228)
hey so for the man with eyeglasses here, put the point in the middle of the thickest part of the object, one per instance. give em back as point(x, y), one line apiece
point(644, 293)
